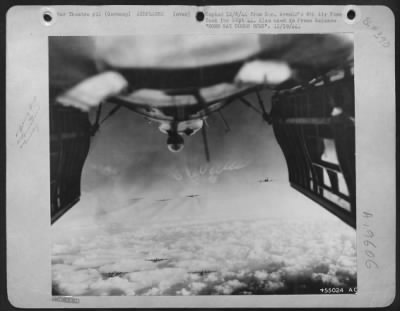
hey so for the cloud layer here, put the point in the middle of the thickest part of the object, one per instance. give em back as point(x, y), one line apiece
point(238, 257)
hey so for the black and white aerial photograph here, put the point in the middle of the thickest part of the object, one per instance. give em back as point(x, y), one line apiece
point(186, 165)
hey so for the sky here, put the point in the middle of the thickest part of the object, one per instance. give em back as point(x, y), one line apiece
point(260, 238)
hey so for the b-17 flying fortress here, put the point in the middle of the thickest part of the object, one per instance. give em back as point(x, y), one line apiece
point(155, 260)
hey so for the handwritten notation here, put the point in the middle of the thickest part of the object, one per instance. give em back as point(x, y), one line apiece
point(378, 34)
point(369, 243)
point(29, 125)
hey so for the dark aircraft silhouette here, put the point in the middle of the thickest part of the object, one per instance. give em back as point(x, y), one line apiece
point(192, 195)
point(113, 274)
point(156, 259)
point(265, 180)
point(202, 272)
point(163, 200)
